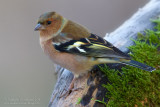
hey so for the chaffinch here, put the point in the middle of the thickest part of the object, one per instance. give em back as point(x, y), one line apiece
point(75, 48)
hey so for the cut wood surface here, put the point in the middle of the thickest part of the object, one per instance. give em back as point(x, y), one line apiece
point(92, 82)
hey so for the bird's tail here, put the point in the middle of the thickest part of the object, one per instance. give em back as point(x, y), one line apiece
point(139, 65)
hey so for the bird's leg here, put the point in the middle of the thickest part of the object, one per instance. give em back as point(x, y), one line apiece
point(71, 88)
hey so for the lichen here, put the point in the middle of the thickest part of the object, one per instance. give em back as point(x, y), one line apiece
point(132, 86)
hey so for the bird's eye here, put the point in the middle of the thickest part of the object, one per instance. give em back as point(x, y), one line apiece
point(49, 22)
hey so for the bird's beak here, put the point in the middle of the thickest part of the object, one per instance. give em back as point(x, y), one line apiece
point(38, 27)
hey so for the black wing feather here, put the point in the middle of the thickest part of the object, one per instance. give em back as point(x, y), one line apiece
point(93, 46)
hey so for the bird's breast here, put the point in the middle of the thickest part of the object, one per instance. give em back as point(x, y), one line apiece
point(75, 63)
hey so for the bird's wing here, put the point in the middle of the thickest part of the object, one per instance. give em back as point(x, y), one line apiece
point(93, 46)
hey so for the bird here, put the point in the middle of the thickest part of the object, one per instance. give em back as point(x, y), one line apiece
point(74, 47)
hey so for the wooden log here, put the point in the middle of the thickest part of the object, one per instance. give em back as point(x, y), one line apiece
point(91, 83)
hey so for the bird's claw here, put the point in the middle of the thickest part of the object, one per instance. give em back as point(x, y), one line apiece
point(67, 93)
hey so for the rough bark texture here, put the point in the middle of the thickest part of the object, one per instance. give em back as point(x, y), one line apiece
point(92, 82)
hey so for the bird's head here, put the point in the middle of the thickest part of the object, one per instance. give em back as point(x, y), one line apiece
point(50, 23)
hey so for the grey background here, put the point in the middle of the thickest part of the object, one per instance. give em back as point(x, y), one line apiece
point(26, 74)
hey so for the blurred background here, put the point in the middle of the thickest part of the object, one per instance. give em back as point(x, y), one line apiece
point(27, 75)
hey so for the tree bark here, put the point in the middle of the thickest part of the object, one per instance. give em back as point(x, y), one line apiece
point(91, 83)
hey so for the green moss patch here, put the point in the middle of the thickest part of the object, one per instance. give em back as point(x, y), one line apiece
point(133, 86)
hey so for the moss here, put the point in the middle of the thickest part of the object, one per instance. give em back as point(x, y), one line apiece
point(133, 86)
point(79, 100)
point(103, 102)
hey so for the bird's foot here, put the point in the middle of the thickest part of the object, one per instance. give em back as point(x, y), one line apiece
point(67, 93)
